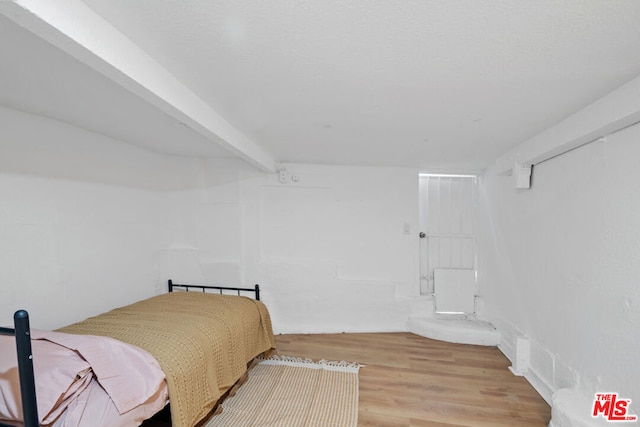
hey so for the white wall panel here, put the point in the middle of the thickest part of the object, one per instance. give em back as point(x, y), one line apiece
point(454, 290)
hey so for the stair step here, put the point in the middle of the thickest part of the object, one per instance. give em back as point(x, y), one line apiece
point(456, 330)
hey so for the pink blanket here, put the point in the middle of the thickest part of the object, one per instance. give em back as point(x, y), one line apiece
point(68, 368)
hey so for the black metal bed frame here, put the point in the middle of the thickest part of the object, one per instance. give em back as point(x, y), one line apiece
point(220, 289)
point(22, 332)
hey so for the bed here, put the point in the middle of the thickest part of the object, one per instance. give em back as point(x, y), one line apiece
point(187, 347)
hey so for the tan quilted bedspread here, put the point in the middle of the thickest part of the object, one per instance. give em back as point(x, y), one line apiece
point(203, 343)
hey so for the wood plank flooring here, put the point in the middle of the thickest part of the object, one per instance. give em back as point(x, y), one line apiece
point(412, 381)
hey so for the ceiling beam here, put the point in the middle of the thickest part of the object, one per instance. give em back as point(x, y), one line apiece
point(74, 28)
point(611, 113)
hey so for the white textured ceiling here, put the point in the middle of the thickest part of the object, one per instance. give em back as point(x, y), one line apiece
point(434, 84)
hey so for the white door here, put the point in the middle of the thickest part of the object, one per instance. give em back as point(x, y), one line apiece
point(448, 211)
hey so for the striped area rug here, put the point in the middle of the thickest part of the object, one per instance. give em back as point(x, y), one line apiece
point(289, 392)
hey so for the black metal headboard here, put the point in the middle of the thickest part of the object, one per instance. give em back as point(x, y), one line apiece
point(22, 332)
point(220, 289)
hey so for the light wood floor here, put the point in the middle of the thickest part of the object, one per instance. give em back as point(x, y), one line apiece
point(414, 381)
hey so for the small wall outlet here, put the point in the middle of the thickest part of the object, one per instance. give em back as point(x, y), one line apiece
point(283, 176)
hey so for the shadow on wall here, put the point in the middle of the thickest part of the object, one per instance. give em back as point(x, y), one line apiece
point(38, 146)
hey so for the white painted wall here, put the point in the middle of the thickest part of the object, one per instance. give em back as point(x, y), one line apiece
point(331, 249)
point(88, 223)
point(560, 266)
point(206, 218)
point(83, 219)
